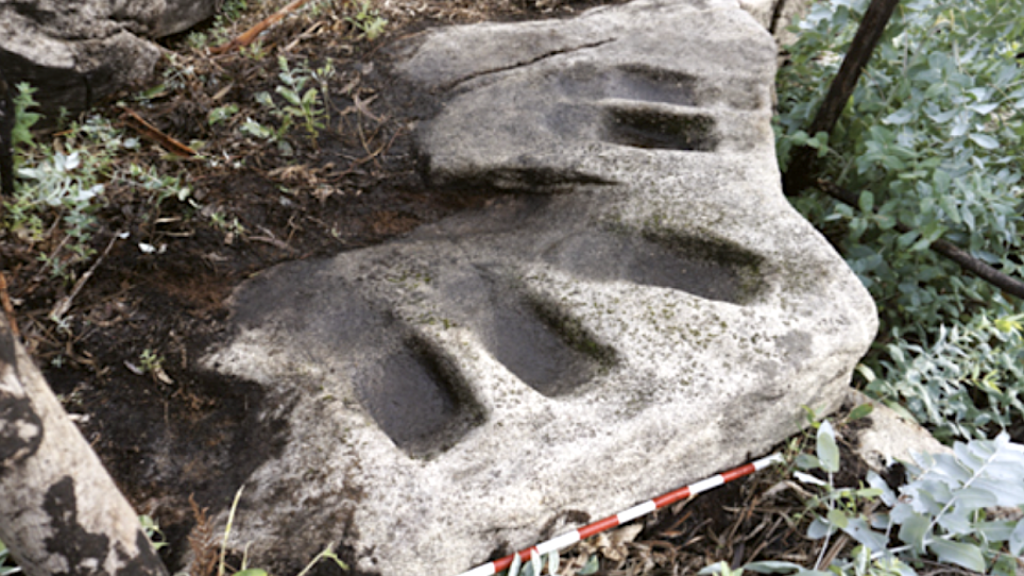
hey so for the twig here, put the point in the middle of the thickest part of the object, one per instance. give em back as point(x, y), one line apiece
point(766, 537)
point(250, 35)
point(944, 247)
point(307, 33)
point(360, 161)
point(41, 273)
point(64, 304)
point(269, 238)
point(147, 129)
point(840, 543)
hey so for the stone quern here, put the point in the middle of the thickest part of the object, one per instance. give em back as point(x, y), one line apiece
point(637, 306)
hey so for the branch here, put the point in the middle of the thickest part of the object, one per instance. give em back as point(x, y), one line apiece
point(170, 144)
point(944, 247)
point(250, 35)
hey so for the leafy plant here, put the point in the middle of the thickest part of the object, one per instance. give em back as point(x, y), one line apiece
point(24, 117)
point(941, 511)
point(221, 113)
point(968, 378)
point(56, 182)
point(932, 139)
point(221, 222)
point(302, 104)
point(255, 129)
point(61, 186)
point(149, 362)
point(368, 21)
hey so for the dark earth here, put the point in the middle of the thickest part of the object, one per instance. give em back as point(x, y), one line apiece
point(178, 440)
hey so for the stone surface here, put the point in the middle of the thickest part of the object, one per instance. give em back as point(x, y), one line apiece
point(762, 10)
point(890, 437)
point(76, 52)
point(636, 307)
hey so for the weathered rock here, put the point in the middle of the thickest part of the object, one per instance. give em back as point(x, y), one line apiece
point(890, 437)
point(637, 308)
point(76, 52)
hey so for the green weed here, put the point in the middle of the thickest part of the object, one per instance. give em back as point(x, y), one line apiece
point(305, 94)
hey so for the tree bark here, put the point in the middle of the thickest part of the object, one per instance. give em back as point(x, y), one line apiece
point(7, 120)
point(803, 164)
point(60, 512)
point(962, 257)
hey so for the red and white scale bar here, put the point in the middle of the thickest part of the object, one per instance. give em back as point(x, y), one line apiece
point(568, 539)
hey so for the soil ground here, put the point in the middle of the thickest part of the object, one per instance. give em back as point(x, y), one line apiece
point(177, 439)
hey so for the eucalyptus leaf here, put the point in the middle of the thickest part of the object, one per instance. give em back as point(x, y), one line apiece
point(975, 498)
point(867, 201)
point(808, 479)
point(827, 449)
point(536, 564)
point(517, 563)
point(984, 108)
point(772, 567)
point(1016, 542)
point(553, 562)
point(837, 518)
point(861, 411)
point(818, 529)
point(965, 555)
point(807, 462)
point(996, 531)
point(899, 117)
point(984, 140)
point(875, 481)
point(914, 530)
point(860, 530)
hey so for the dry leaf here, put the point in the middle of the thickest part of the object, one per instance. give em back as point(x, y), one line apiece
point(364, 107)
point(158, 372)
point(625, 534)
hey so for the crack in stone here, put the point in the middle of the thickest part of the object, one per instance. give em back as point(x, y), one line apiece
point(529, 62)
